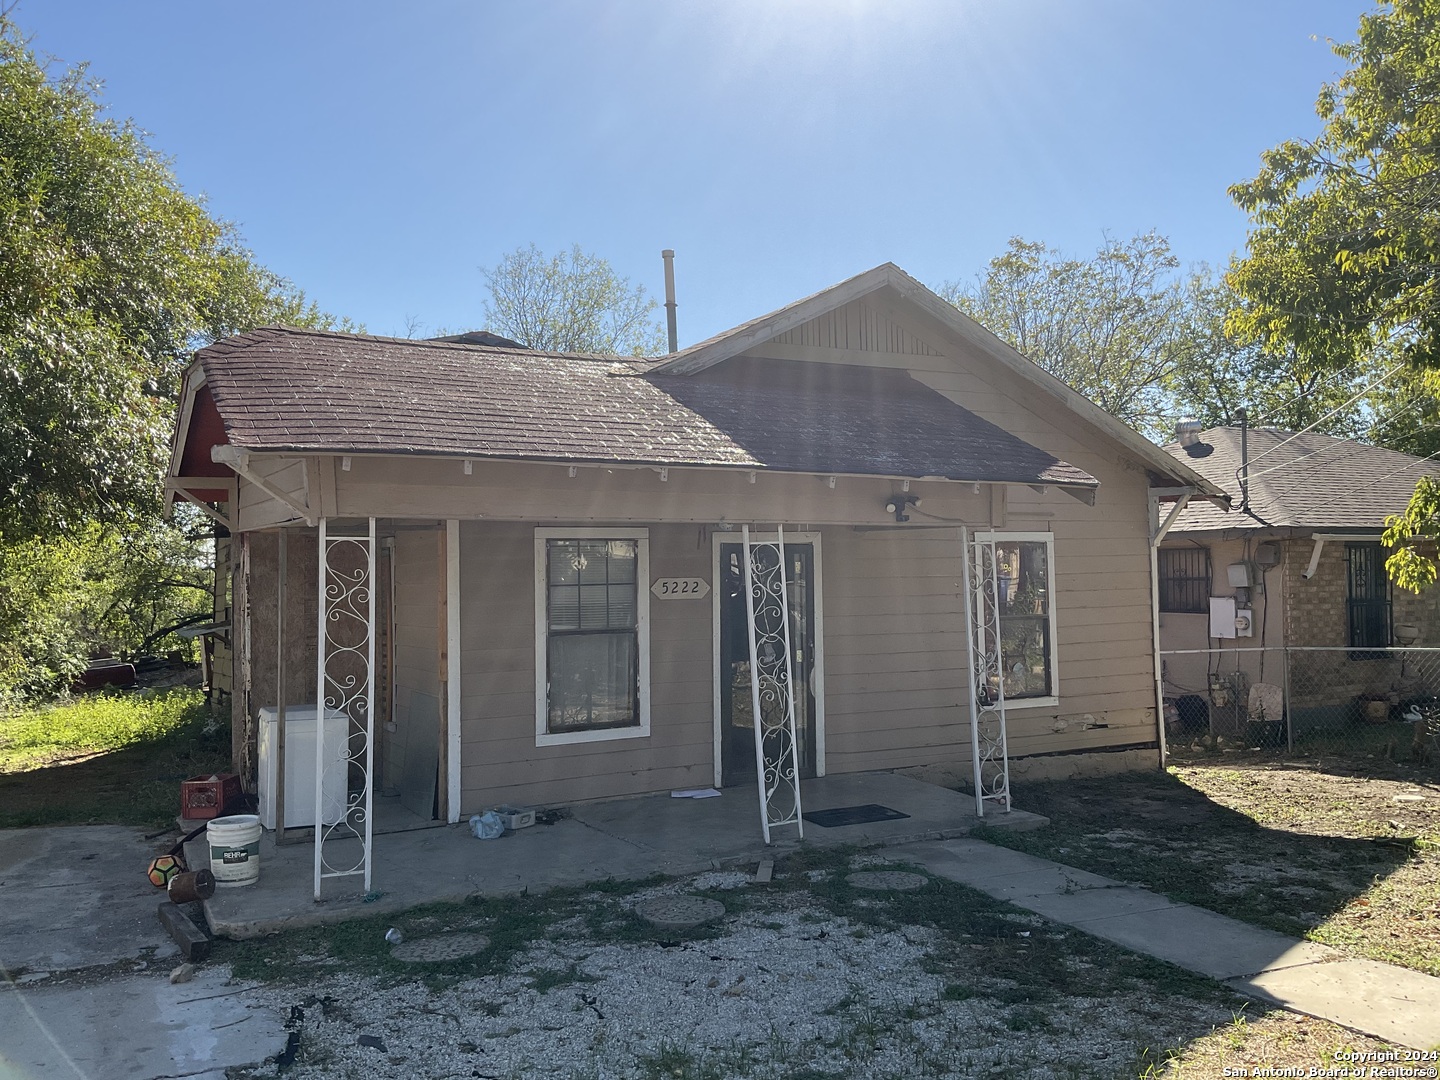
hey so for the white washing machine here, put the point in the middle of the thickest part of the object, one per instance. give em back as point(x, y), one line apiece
point(300, 765)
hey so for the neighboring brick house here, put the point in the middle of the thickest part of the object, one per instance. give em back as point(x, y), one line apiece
point(1307, 530)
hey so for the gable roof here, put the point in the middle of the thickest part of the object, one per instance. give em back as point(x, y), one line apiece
point(888, 276)
point(301, 391)
point(1318, 482)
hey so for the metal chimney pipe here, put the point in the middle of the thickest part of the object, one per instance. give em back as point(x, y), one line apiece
point(669, 256)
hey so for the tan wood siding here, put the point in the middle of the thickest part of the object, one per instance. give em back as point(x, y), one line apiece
point(256, 507)
point(546, 494)
point(855, 327)
point(895, 658)
point(500, 761)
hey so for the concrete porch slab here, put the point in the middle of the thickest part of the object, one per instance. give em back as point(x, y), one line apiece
point(624, 838)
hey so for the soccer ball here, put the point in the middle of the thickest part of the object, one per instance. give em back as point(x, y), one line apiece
point(164, 868)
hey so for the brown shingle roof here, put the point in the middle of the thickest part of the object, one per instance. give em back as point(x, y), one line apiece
point(1320, 482)
point(282, 389)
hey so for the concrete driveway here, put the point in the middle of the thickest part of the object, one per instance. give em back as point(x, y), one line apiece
point(85, 964)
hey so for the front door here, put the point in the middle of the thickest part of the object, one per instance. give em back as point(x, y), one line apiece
point(737, 725)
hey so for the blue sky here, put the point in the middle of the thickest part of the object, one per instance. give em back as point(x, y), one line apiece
point(379, 154)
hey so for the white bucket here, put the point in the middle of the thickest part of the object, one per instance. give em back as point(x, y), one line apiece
point(234, 849)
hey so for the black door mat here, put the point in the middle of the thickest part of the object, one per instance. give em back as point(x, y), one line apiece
point(852, 815)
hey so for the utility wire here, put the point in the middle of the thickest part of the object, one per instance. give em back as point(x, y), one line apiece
point(1340, 442)
point(1327, 416)
point(1342, 375)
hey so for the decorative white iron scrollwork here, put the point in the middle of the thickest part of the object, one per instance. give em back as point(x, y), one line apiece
point(988, 745)
point(772, 684)
point(345, 685)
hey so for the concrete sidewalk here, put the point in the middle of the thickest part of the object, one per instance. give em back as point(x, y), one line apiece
point(1388, 1002)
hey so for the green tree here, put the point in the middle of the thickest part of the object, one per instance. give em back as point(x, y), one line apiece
point(1219, 372)
point(111, 274)
point(99, 590)
point(1111, 326)
point(1341, 261)
point(570, 302)
point(1342, 256)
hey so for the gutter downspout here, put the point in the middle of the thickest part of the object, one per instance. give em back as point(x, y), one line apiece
point(1159, 530)
point(1320, 538)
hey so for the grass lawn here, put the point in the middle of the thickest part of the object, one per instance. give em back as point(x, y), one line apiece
point(106, 759)
point(1341, 852)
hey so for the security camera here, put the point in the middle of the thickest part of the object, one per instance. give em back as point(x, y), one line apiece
point(898, 504)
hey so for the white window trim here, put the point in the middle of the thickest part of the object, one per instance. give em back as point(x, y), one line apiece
point(812, 538)
point(1048, 539)
point(543, 736)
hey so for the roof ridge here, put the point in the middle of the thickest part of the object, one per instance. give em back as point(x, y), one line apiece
point(430, 343)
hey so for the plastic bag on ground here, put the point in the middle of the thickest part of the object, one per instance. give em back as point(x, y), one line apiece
point(487, 826)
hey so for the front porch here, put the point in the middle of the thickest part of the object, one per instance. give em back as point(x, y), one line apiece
point(620, 838)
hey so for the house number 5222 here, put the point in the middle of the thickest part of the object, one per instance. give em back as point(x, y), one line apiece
point(680, 588)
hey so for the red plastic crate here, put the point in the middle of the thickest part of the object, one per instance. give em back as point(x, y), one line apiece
point(204, 797)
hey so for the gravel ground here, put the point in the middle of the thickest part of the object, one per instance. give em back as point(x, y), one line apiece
point(786, 987)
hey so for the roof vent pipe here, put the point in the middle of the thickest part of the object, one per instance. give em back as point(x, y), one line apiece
point(1187, 431)
point(669, 256)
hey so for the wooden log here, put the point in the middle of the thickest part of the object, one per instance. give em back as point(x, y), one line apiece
point(194, 944)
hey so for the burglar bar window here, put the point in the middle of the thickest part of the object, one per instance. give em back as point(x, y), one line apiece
point(1367, 595)
point(1185, 579)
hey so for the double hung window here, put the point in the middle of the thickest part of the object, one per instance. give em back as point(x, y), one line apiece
point(592, 635)
point(1025, 588)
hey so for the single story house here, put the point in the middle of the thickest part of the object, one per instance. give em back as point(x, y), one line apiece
point(1297, 563)
point(531, 578)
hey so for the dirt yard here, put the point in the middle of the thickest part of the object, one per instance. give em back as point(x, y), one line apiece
point(1346, 852)
point(806, 977)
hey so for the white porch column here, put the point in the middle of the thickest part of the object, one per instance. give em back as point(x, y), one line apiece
point(453, 679)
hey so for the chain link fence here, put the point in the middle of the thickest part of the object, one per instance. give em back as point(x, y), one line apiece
point(1304, 701)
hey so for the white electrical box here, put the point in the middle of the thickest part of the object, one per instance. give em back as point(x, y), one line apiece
point(1240, 575)
point(300, 765)
point(1244, 622)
